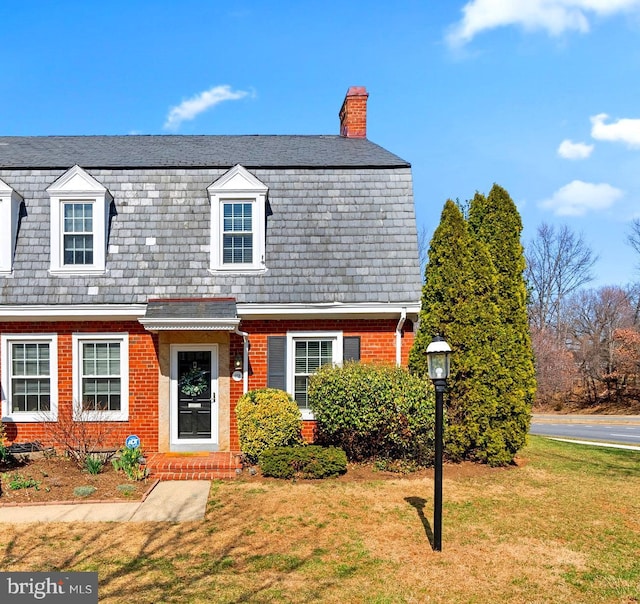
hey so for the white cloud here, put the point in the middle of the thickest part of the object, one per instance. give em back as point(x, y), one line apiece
point(553, 16)
point(624, 130)
point(189, 109)
point(570, 150)
point(578, 198)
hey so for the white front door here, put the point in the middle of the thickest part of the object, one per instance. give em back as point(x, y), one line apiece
point(194, 396)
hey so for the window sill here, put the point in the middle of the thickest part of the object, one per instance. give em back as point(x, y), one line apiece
point(238, 270)
point(27, 417)
point(66, 272)
point(103, 416)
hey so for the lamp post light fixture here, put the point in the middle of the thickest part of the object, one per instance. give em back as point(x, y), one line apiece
point(438, 355)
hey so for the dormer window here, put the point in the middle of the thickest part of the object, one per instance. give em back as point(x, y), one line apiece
point(80, 210)
point(238, 201)
point(10, 202)
point(77, 233)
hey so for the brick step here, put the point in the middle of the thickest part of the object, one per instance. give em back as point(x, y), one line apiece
point(194, 466)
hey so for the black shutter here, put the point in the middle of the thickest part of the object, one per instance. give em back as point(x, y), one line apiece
point(351, 348)
point(277, 362)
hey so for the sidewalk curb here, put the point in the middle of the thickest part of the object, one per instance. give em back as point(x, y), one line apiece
point(594, 444)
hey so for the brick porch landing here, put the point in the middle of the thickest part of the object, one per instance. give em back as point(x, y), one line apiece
point(194, 466)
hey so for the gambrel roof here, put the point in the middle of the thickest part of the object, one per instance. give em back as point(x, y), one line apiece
point(340, 223)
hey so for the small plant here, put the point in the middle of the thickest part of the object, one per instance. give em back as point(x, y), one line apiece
point(311, 461)
point(18, 481)
point(126, 489)
point(79, 436)
point(84, 491)
point(5, 456)
point(131, 463)
point(93, 464)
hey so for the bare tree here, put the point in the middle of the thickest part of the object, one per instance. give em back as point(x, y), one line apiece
point(634, 236)
point(594, 317)
point(423, 247)
point(558, 263)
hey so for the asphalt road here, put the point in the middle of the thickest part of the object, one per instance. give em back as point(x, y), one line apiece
point(624, 430)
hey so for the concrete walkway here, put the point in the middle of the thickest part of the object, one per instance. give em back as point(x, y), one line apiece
point(170, 501)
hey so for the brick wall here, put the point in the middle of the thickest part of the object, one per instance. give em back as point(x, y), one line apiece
point(377, 344)
point(143, 380)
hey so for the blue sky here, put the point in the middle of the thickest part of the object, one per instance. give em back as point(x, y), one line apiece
point(539, 96)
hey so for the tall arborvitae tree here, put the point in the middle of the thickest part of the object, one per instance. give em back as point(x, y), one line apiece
point(459, 302)
point(495, 221)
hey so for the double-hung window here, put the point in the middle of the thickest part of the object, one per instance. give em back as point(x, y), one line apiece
point(29, 377)
point(306, 352)
point(237, 232)
point(80, 213)
point(238, 209)
point(293, 358)
point(77, 233)
point(309, 356)
point(101, 376)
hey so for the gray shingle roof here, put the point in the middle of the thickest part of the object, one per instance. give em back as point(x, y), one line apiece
point(222, 308)
point(191, 151)
point(342, 234)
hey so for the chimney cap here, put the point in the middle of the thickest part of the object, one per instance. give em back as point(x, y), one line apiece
point(357, 91)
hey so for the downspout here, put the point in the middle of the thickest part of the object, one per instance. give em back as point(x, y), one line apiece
point(245, 359)
point(403, 318)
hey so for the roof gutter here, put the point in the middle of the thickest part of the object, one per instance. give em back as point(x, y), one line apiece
point(399, 326)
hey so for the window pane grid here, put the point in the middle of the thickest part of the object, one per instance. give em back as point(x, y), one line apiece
point(101, 394)
point(237, 249)
point(78, 218)
point(101, 384)
point(30, 377)
point(310, 355)
point(78, 233)
point(237, 239)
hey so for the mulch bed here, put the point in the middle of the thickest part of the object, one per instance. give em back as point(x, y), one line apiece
point(54, 479)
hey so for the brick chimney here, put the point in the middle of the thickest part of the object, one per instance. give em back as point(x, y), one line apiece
point(353, 114)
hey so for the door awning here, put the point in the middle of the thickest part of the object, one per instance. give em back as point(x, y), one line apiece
point(188, 314)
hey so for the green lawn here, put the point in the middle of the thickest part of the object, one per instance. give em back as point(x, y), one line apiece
point(563, 526)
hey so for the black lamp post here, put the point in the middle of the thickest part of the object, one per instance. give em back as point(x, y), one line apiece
point(438, 353)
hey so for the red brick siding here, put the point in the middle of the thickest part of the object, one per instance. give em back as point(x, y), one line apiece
point(143, 379)
point(377, 344)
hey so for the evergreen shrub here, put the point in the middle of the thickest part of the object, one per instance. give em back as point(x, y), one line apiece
point(374, 412)
point(267, 418)
point(311, 461)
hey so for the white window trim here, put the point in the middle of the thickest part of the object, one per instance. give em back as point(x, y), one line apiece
point(238, 185)
point(292, 336)
point(29, 416)
point(100, 416)
point(10, 202)
point(77, 186)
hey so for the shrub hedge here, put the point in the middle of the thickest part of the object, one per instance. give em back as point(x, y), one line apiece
point(374, 412)
point(311, 461)
point(267, 417)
